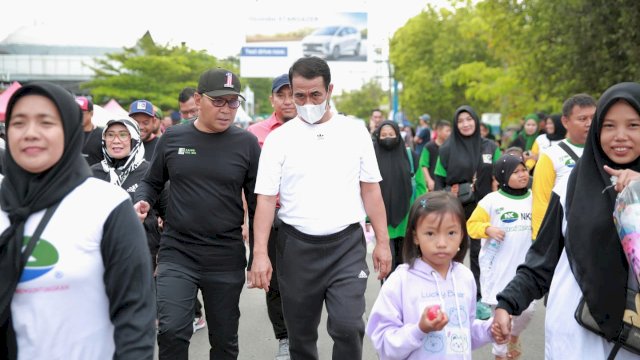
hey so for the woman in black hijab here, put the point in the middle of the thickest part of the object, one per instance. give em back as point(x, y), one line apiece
point(396, 187)
point(554, 133)
point(587, 259)
point(89, 269)
point(465, 162)
point(466, 157)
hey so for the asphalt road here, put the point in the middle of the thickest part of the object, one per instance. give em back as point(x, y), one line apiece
point(257, 341)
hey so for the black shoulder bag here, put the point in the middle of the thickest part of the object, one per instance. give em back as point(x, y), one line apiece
point(629, 337)
point(466, 191)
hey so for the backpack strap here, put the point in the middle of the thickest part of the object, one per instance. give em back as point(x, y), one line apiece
point(36, 235)
point(568, 150)
point(5, 313)
point(410, 155)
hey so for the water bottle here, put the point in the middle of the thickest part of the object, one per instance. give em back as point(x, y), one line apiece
point(486, 260)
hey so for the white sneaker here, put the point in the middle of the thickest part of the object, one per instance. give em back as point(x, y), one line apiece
point(283, 350)
point(199, 323)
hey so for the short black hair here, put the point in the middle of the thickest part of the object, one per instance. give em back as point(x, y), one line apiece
point(443, 123)
point(310, 68)
point(186, 94)
point(374, 110)
point(582, 100)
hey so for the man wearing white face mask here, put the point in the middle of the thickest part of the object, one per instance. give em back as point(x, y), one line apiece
point(324, 168)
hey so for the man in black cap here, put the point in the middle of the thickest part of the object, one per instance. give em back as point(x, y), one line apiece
point(209, 163)
point(284, 109)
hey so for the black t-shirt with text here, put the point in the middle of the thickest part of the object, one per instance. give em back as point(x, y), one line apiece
point(208, 173)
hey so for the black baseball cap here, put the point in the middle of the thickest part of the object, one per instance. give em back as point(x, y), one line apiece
point(219, 82)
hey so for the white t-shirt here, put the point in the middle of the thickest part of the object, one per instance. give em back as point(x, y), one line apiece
point(563, 164)
point(544, 143)
point(60, 308)
point(317, 170)
point(513, 215)
point(564, 337)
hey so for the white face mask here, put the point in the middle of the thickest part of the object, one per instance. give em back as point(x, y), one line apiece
point(312, 113)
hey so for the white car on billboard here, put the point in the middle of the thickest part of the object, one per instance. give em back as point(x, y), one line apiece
point(331, 42)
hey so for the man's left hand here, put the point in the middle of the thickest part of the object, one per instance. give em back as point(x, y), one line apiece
point(382, 260)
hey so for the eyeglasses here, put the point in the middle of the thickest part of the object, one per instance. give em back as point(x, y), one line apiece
point(122, 135)
point(220, 102)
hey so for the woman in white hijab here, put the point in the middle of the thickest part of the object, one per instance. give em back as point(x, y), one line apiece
point(124, 166)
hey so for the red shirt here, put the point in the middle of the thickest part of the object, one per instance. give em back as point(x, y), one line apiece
point(263, 128)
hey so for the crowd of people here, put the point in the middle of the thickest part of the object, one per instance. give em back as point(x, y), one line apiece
point(115, 230)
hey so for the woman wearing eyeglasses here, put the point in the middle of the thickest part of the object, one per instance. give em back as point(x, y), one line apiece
point(124, 166)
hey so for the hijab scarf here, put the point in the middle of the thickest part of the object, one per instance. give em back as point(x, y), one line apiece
point(529, 139)
point(503, 169)
point(119, 169)
point(461, 155)
point(559, 132)
point(395, 169)
point(23, 193)
point(592, 243)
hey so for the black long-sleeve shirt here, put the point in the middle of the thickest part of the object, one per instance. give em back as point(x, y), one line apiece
point(533, 277)
point(208, 173)
point(130, 185)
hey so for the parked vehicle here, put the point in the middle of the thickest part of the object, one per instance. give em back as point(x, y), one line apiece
point(331, 42)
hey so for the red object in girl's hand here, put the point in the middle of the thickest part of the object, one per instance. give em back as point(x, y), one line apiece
point(433, 311)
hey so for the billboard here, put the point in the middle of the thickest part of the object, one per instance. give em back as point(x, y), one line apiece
point(274, 42)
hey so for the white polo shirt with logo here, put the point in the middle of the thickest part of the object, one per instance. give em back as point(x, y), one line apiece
point(317, 170)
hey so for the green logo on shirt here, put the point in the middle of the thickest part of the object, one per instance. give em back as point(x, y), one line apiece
point(570, 163)
point(509, 217)
point(186, 151)
point(42, 260)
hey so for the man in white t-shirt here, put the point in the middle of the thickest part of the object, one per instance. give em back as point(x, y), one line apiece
point(556, 163)
point(324, 168)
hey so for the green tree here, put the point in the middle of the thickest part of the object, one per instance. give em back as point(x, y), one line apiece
point(150, 71)
point(430, 46)
point(514, 56)
point(261, 88)
point(360, 102)
point(583, 45)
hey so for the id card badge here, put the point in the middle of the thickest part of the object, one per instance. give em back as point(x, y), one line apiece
point(458, 341)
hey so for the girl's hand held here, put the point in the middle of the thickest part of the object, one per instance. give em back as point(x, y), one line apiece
point(438, 322)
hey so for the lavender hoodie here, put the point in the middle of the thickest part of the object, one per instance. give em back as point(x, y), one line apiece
point(393, 322)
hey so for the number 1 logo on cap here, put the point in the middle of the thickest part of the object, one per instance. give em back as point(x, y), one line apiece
point(229, 82)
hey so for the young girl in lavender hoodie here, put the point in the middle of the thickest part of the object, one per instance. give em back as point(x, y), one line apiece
point(427, 307)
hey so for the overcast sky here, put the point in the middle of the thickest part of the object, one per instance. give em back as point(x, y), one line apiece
point(216, 26)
